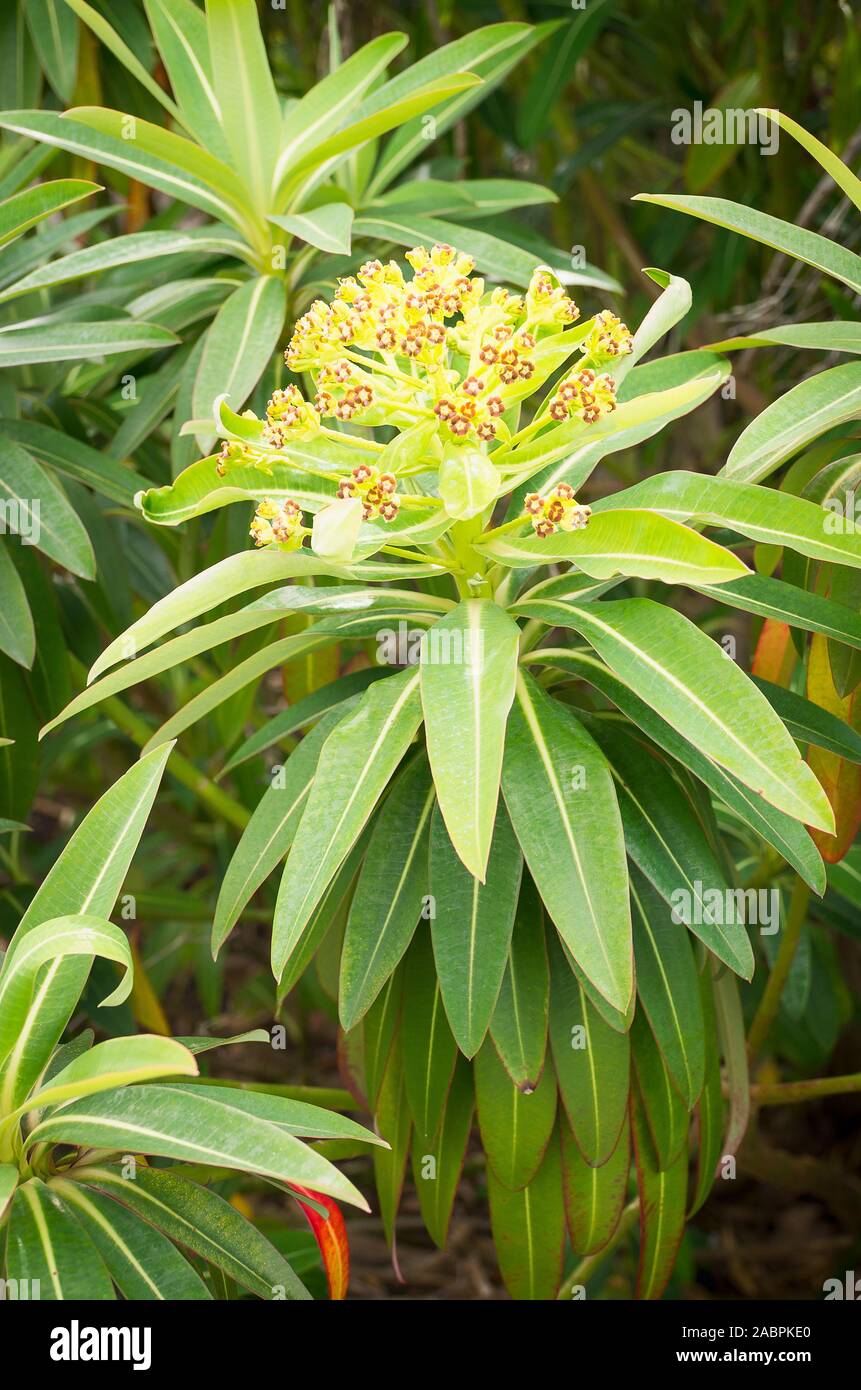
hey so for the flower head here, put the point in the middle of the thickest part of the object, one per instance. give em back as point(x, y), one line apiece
point(277, 523)
point(558, 511)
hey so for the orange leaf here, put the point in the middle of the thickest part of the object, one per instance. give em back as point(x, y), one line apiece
point(331, 1236)
point(775, 655)
point(840, 777)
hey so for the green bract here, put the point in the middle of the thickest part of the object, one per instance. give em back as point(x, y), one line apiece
point(509, 843)
point(84, 1214)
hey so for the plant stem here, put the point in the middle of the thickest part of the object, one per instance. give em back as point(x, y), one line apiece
point(587, 1267)
point(770, 1001)
point(794, 1092)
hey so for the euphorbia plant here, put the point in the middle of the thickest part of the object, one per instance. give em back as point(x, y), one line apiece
point(84, 1214)
point(510, 846)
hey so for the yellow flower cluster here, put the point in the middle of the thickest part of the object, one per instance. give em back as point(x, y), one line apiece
point(376, 490)
point(585, 395)
point(558, 511)
point(389, 349)
point(277, 522)
point(607, 338)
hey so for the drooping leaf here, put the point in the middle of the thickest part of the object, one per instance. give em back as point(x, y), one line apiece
point(592, 1063)
point(471, 928)
point(355, 765)
point(559, 793)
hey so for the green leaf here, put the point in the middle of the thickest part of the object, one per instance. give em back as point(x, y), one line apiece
point(389, 895)
point(296, 1117)
point(662, 1211)
point(394, 1124)
point(529, 1230)
point(115, 1062)
point(496, 258)
point(789, 838)
point(559, 794)
point(840, 173)
point(75, 459)
point(8, 1183)
point(731, 1032)
point(86, 878)
point(689, 680)
point(809, 723)
point(239, 343)
point(46, 1244)
point(763, 514)
point(519, 1023)
point(27, 1024)
point(180, 31)
point(17, 633)
point(250, 569)
point(203, 1222)
point(468, 669)
point(806, 246)
point(634, 419)
point(471, 928)
point(804, 413)
point(248, 672)
point(305, 711)
point(592, 1063)
point(437, 1183)
point(666, 1114)
point(43, 514)
point(248, 103)
point(72, 342)
point(594, 1197)
point(125, 156)
point(55, 38)
point(785, 603)
point(355, 765)
point(270, 832)
point(629, 542)
point(669, 846)
point(112, 41)
point(119, 251)
point(710, 1111)
point(669, 989)
point(327, 227)
point(843, 335)
point(379, 1028)
point(490, 52)
point(23, 210)
point(516, 1126)
point(142, 1262)
point(429, 1049)
point(325, 106)
point(197, 1127)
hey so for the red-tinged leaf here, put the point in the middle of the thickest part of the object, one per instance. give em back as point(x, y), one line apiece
point(330, 1234)
point(775, 655)
point(529, 1229)
point(594, 1197)
point(663, 1196)
point(840, 777)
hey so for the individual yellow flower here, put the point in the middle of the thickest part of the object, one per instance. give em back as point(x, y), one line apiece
point(277, 523)
point(558, 511)
point(376, 491)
